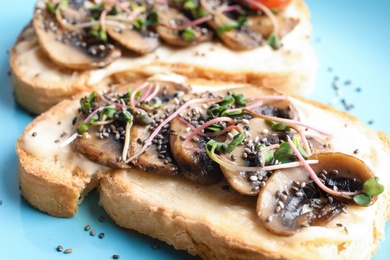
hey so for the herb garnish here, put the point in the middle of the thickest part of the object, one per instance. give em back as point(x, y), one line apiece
point(240, 22)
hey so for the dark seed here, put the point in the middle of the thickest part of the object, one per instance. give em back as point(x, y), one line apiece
point(34, 134)
point(155, 245)
point(101, 235)
point(1, 202)
point(101, 218)
point(59, 248)
point(87, 227)
point(115, 256)
point(93, 232)
point(68, 251)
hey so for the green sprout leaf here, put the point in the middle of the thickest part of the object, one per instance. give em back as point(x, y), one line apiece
point(96, 8)
point(284, 153)
point(240, 22)
point(108, 111)
point(188, 34)
point(267, 155)
point(274, 41)
point(238, 138)
point(239, 99)
point(276, 126)
point(212, 146)
point(190, 5)
point(362, 199)
point(82, 128)
point(85, 102)
point(372, 187)
point(93, 119)
point(50, 7)
point(214, 128)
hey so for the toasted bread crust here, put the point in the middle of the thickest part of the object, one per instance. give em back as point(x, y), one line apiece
point(50, 184)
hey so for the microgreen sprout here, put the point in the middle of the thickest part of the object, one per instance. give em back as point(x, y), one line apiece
point(238, 138)
point(188, 34)
point(240, 22)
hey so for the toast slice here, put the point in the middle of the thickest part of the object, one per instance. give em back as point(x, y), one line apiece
point(214, 221)
point(39, 83)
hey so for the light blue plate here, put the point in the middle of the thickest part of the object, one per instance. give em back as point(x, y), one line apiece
point(351, 39)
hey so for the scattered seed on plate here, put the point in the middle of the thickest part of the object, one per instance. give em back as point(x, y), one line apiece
point(87, 227)
point(101, 235)
point(68, 251)
point(59, 248)
point(115, 256)
point(101, 218)
point(93, 232)
point(155, 245)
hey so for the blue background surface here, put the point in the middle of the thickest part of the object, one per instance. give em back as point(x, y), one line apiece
point(351, 39)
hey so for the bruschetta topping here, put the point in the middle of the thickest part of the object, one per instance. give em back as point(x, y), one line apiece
point(258, 144)
point(87, 35)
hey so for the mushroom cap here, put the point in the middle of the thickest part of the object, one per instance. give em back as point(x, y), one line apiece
point(347, 172)
point(169, 20)
point(195, 166)
point(281, 203)
point(66, 48)
point(141, 42)
point(236, 38)
point(263, 24)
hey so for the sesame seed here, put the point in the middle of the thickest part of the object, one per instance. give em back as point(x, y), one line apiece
point(87, 227)
point(59, 248)
point(269, 219)
point(68, 251)
point(356, 151)
point(339, 224)
point(34, 134)
point(182, 137)
point(265, 131)
point(281, 204)
point(93, 232)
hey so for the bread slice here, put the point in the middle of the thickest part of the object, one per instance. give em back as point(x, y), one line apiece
point(39, 83)
point(214, 222)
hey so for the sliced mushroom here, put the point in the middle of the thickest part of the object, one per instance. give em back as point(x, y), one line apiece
point(237, 38)
point(263, 24)
point(291, 201)
point(172, 26)
point(102, 149)
point(71, 47)
point(141, 42)
point(342, 172)
point(258, 132)
point(196, 166)
point(157, 157)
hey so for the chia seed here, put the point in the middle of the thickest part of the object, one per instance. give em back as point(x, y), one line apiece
point(93, 232)
point(59, 248)
point(87, 227)
point(115, 256)
point(101, 235)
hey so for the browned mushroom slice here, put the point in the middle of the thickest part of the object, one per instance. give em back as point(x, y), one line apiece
point(176, 29)
point(71, 48)
point(157, 157)
point(342, 172)
point(196, 166)
point(290, 201)
point(246, 154)
point(141, 42)
point(263, 24)
point(236, 37)
point(100, 146)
